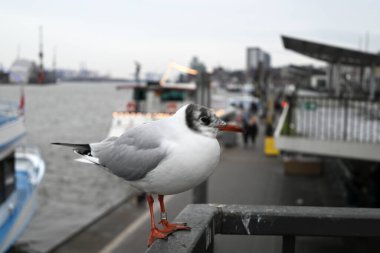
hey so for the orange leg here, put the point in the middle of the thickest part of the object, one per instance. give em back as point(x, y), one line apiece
point(169, 227)
point(155, 233)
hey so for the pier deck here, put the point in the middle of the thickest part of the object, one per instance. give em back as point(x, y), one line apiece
point(244, 176)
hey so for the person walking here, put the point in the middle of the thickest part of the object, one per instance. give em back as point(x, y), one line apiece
point(250, 125)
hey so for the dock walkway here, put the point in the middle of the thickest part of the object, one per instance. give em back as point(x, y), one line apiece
point(244, 176)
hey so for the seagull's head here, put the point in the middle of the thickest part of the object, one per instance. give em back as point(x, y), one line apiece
point(204, 121)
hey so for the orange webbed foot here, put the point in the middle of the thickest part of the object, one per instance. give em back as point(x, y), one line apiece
point(156, 234)
point(171, 227)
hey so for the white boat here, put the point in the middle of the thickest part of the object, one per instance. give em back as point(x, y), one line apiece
point(12, 128)
point(21, 171)
point(153, 100)
point(156, 100)
point(149, 103)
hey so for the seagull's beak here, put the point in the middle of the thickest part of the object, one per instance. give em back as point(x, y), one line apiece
point(223, 126)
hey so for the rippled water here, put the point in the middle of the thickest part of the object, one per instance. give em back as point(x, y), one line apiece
point(72, 194)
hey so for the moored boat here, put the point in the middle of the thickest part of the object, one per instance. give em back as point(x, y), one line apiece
point(153, 100)
point(21, 171)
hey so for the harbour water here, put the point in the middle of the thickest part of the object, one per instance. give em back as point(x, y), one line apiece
point(72, 194)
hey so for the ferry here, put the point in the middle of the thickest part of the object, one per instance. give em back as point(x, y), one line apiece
point(149, 103)
point(156, 100)
point(21, 172)
point(153, 100)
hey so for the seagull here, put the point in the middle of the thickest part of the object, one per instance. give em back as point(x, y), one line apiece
point(162, 157)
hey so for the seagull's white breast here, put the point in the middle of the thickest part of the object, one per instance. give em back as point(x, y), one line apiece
point(191, 160)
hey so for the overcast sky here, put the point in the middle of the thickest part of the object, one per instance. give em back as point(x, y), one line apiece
point(109, 35)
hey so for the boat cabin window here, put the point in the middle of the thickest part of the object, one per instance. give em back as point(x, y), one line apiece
point(172, 95)
point(7, 177)
point(165, 95)
point(139, 94)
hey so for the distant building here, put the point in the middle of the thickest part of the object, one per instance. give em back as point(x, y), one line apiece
point(79, 75)
point(197, 65)
point(224, 77)
point(258, 66)
point(152, 76)
point(23, 71)
point(257, 58)
point(3, 75)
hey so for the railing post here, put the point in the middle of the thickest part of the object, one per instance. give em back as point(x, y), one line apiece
point(288, 244)
point(345, 119)
point(203, 97)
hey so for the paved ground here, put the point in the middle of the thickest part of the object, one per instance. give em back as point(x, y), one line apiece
point(244, 176)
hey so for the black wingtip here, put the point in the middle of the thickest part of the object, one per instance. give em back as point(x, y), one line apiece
point(64, 144)
point(80, 148)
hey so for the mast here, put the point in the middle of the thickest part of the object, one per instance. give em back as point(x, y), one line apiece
point(54, 64)
point(41, 74)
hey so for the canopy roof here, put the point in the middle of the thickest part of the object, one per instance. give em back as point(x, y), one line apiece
point(331, 54)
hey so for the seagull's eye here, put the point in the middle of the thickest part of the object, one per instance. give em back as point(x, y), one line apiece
point(205, 120)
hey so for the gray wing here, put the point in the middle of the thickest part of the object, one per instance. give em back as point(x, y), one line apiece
point(133, 154)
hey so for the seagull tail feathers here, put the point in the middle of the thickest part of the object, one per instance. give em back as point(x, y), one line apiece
point(84, 150)
point(88, 159)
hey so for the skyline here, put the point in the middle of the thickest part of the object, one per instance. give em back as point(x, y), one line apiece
point(110, 37)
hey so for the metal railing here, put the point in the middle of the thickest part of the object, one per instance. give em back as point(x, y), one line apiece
point(334, 119)
point(287, 221)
